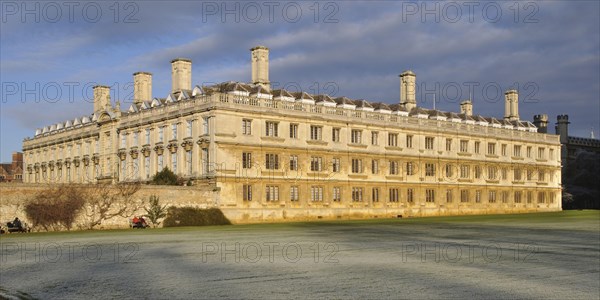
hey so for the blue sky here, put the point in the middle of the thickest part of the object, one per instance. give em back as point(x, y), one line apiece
point(52, 53)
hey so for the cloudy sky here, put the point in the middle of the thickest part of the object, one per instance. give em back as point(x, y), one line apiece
point(52, 53)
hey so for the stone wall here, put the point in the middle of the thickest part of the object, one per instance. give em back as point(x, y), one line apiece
point(13, 198)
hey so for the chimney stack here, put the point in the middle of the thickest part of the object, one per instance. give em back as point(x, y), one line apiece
point(260, 66)
point(511, 105)
point(101, 98)
point(142, 87)
point(181, 74)
point(407, 90)
point(541, 122)
point(466, 108)
point(562, 128)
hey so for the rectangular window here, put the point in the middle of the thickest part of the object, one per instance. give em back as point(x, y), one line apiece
point(335, 134)
point(449, 171)
point(316, 164)
point(136, 138)
point(448, 196)
point(491, 149)
point(174, 162)
point(357, 166)
point(188, 158)
point(393, 139)
point(504, 197)
point(429, 142)
point(161, 134)
point(430, 195)
point(293, 131)
point(206, 125)
point(247, 127)
point(246, 160)
point(160, 162)
point(356, 136)
point(541, 176)
point(464, 196)
point(448, 144)
point(517, 174)
point(147, 166)
point(316, 132)
point(316, 194)
point(357, 194)
point(173, 131)
point(123, 140)
point(529, 152)
point(478, 196)
point(272, 193)
point(518, 197)
point(247, 192)
point(375, 194)
point(541, 197)
point(464, 146)
point(504, 174)
point(394, 167)
point(517, 151)
point(410, 170)
point(271, 161)
point(271, 129)
point(429, 169)
point(541, 153)
point(503, 151)
point(147, 136)
point(293, 162)
point(409, 141)
point(529, 197)
point(188, 128)
point(477, 172)
point(529, 174)
point(492, 173)
point(410, 195)
point(206, 160)
point(492, 196)
point(374, 166)
point(394, 195)
point(551, 153)
point(337, 194)
point(294, 196)
point(477, 146)
point(336, 164)
point(374, 138)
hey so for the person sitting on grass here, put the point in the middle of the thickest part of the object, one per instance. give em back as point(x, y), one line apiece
point(136, 221)
point(143, 222)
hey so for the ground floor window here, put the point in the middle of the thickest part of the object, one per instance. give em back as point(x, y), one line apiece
point(247, 192)
point(316, 193)
point(430, 195)
point(394, 195)
point(357, 194)
point(294, 196)
point(272, 193)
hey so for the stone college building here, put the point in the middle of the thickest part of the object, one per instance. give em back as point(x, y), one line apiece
point(274, 154)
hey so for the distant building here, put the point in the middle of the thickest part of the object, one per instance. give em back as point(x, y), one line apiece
point(12, 172)
point(293, 154)
point(580, 158)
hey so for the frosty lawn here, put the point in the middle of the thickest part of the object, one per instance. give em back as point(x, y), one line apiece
point(550, 255)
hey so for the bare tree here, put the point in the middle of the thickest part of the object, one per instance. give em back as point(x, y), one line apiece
point(106, 201)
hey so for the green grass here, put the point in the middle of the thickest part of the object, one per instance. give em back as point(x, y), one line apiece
point(569, 219)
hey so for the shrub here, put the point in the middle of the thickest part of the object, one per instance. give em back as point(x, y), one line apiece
point(191, 216)
point(55, 207)
point(166, 177)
